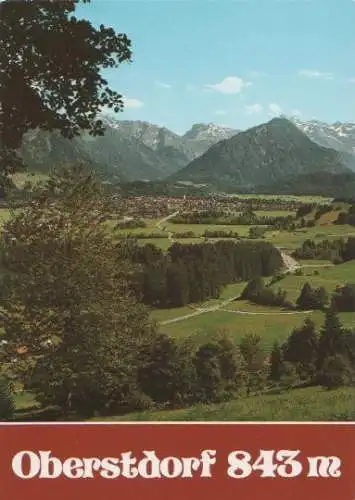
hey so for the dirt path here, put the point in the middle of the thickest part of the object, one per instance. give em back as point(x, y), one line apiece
point(159, 225)
point(330, 264)
point(290, 263)
point(198, 311)
point(221, 307)
point(279, 313)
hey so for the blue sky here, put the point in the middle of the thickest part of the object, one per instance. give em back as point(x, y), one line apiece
point(234, 63)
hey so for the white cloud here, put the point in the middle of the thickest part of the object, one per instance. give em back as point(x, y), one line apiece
point(163, 85)
point(220, 112)
point(253, 109)
point(351, 80)
point(230, 85)
point(314, 73)
point(132, 103)
point(275, 109)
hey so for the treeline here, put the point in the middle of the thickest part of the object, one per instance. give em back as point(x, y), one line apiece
point(257, 292)
point(175, 375)
point(342, 300)
point(347, 217)
point(140, 236)
point(246, 218)
point(197, 272)
point(185, 234)
point(337, 251)
point(324, 358)
point(208, 233)
point(304, 210)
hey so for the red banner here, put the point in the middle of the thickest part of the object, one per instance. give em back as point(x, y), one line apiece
point(177, 461)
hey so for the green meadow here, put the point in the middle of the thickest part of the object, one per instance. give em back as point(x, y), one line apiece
point(311, 404)
point(241, 317)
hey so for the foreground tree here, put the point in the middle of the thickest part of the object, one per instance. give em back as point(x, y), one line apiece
point(254, 361)
point(50, 64)
point(312, 298)
point(75, 334)
point(162, 376)
point(301, 349)
point(230, 363)
point(343, 299)
point(7, 405)
point(208, 374)
point(276, 363)
point(336, 372)
point(333, 340)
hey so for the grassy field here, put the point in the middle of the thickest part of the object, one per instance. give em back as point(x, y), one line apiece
point(270, 326)
point(167, 314)
point(5, 214)
point(274, 213)
point(328, 277)
point(162, 243)
point(289, 240)
point(329, 217)
point(199, 229)
point(294, 239)
point(308, 404)
point(241, 317)
point(22, 177)
point(315, 263)
point(311, 404)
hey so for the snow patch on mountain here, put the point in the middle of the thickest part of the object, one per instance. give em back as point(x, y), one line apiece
point(340, 136)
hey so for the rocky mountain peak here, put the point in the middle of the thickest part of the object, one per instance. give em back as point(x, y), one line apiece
point(205, 130)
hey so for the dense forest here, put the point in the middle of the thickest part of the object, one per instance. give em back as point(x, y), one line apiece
point(246, 218)
point(197, 272)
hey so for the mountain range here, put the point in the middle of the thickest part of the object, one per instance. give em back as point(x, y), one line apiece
point(338, 136)
point(261, 156)
point(129, 150)
point(207, 153)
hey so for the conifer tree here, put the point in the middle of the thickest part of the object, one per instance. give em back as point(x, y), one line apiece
point(209, 382)
point(333, 340)
point(254, 359)
point(301, 349)
point(305, 300)
point(276, 363)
